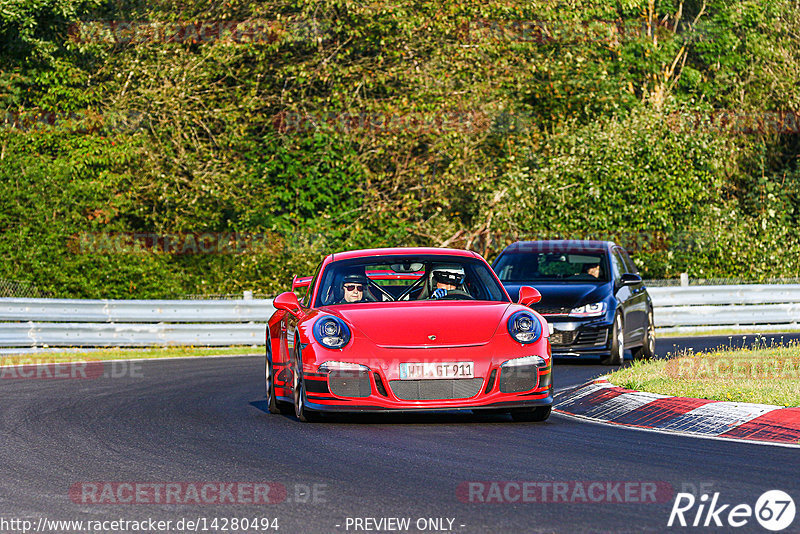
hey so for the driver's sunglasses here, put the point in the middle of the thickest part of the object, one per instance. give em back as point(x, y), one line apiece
point(354, 287)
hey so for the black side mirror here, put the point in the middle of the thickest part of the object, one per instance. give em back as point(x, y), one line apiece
point(629, 279)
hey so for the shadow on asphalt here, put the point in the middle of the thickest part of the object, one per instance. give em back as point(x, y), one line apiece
point(427, 418)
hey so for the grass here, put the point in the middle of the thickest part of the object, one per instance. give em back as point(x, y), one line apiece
point(762, 375)
point(78, 355)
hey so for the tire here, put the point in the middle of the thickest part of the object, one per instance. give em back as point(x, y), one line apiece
point(531, 415)
point(302, 413)
point(648, 349)
point(617, 356)
point(273, 404)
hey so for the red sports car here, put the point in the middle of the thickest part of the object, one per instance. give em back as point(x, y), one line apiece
point(407, 329)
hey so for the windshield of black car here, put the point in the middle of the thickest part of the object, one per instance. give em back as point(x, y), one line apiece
point(580, 266)
point(395, 278)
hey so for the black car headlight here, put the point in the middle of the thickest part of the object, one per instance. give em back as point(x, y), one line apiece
point(331, 332)
point(524, 327)
point(595, 309)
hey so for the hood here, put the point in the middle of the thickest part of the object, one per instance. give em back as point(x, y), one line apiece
point(563, 295)
point(409, 324)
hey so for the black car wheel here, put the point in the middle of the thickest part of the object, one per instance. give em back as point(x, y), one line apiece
point(532, 415)
point(648, 348)
point(300, 410)
point(273, 404)
point(617, 356)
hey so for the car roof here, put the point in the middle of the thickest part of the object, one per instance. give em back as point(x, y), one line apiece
point(397, 251)
point(559, 245)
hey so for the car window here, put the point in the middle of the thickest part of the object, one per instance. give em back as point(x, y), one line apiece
point(630, 267)
point(616, 260)
point(395, 278)
point(306, 302)
point(569, 266)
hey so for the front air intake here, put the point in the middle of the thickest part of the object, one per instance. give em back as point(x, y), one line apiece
point(438, 389)
point(519, 378)
point(349, 383)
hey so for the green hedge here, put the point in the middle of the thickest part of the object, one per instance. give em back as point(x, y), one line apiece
point(467, 124)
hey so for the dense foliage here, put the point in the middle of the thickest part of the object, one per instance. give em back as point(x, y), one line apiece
point(298, 128)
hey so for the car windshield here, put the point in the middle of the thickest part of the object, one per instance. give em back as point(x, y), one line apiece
point(396, 278)
point(581, 266)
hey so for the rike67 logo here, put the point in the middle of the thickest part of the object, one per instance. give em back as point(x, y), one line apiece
point(774, 510)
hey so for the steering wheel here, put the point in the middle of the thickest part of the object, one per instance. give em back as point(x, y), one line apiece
point(457, 294)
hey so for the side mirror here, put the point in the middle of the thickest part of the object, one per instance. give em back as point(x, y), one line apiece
point(629, 279)
point(287, 301)
point(528, 296)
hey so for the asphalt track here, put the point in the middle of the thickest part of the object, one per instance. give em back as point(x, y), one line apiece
point(203, 420)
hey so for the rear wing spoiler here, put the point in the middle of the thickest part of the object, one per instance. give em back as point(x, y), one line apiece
point(305, 281)
point(300, 281)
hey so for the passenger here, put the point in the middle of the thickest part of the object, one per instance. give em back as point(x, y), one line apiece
point(447, 278)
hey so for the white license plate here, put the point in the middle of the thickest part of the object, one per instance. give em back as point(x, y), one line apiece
point(416, 371)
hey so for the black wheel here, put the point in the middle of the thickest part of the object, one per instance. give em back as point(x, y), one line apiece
point(300, 411)
point(273, 404)
point(531, 415)
point(617, 356)
point(648, 348)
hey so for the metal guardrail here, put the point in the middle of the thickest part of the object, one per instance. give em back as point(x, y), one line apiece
point(692, 308)
point(140, 323)
point(28, 322)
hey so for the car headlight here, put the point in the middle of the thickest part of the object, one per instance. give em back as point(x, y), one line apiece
point(331, 332)
point(589, 310)
point(524, 327)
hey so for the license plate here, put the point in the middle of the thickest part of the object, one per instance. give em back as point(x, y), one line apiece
point(416, 371)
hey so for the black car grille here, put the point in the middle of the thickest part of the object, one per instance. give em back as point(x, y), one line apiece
point(551, 310)
point(580, 337)
point(519, 378)
point(349, 384)
point(562, 338)
point(592, 337)
point(438, 389)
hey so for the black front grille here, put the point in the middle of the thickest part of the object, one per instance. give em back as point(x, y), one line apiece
point(490, 382)
point(562, 338)
point(591, 337)
point(438, 389)
point(349, 383)
point(379, 384)
point(518, 378)
point(551, 310)
point(580, 337)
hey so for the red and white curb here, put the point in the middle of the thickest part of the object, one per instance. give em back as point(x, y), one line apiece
point(604, 402)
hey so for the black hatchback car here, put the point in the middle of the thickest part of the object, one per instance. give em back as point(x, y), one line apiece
point(592, 295)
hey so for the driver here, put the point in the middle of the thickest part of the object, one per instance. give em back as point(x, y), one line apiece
point(592, 269)
point(354, 287)
point(447, 277)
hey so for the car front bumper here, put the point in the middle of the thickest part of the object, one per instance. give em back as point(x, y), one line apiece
point(324, 394)
point(584, 339)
